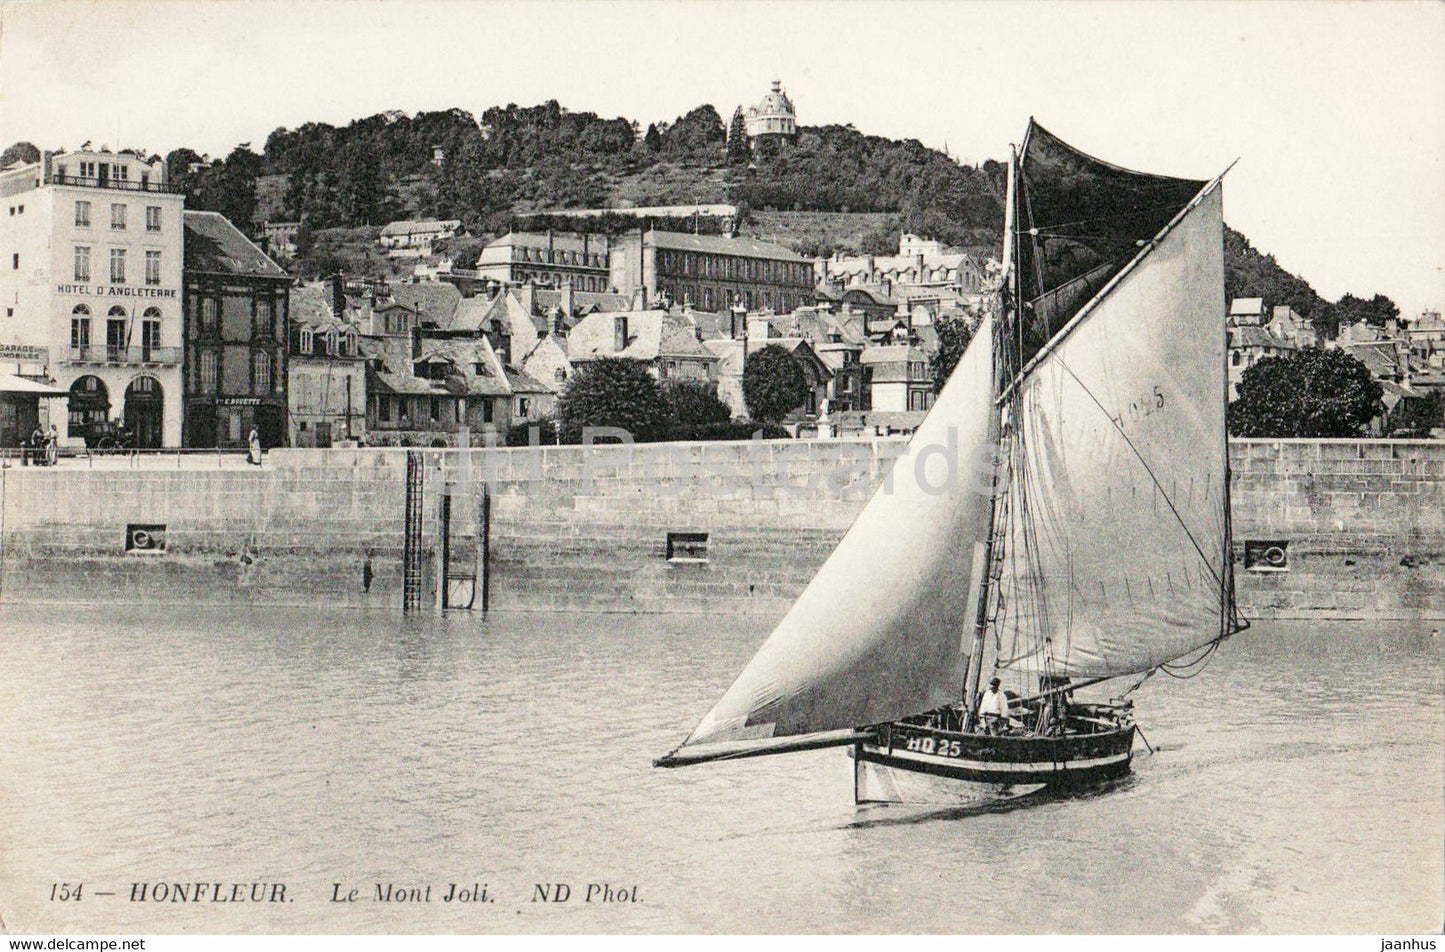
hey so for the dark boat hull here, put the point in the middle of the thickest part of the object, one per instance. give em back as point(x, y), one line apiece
point(1067, 761)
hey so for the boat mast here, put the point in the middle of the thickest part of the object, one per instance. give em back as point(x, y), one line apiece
point(1007, 298)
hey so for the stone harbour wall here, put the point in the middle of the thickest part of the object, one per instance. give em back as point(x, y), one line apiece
point(1362, 525)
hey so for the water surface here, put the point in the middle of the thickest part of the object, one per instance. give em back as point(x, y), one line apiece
point(1297, 787)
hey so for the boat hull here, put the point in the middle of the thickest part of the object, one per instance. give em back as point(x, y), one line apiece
point(1068, 761)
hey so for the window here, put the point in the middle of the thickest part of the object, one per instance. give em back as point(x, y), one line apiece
point(150, 333)
point(115, 335)
point(523, 406)
point(208, 315)
point(383, 405)
point(82, 263)
point(560, 374)
point(261, 379)
point(153, 267)
point(80, 327)
point(263, 317)
point(122, 172)
point(117, 216)
point(305, 343)
point(208, 371)
point(153, 218)
point(87, 170)
point(82, 214)
point(117, 266)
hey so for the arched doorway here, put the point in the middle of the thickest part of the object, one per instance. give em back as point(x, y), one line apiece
point(144, 412)
point(89, 408)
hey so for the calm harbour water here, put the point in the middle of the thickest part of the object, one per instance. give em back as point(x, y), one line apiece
point(1298, 786)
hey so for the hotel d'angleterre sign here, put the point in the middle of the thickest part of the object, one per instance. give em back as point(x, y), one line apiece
point(116, 290)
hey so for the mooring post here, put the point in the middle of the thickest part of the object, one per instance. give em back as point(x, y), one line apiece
point(411, 541)
point(444, 546)
point(484, 546)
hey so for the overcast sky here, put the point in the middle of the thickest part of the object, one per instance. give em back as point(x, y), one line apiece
point(1336, 110)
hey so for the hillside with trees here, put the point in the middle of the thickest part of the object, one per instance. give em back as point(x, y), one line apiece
point(835, 189)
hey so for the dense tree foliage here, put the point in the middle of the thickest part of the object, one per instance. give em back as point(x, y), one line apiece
point(19, 152)
point(773, 384)
point(1379, 309)
point(695, 404)
point(738, 150)
point(615, 392)
point(1248, 273)
point(1310, 393)
point(954, 333)
point(1415, 418)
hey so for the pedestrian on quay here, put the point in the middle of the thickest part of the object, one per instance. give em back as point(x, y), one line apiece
point(37, 446)
point(52, 446)
point(366, 573)
point(253, 448)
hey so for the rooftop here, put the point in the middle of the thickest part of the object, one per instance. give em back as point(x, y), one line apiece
point(215, 246)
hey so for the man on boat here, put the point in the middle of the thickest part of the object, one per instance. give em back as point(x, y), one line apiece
point(993, 709)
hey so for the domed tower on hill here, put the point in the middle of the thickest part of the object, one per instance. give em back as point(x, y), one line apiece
point(772, 122)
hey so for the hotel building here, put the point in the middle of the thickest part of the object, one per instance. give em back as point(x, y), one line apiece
point(91, 285)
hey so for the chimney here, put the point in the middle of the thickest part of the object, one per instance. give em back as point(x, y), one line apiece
point(619, 332)
point(566, 290)
point(524, 297)
point(1392, 327)
point(415, 342)
point(559, 324)
point(338, 296)
point(918, 268)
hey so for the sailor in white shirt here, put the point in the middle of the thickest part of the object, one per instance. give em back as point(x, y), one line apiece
point(993, 709)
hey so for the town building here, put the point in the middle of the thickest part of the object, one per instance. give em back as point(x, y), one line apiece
point(548, 260)
point(236, 315)
point(416, 239)
point(709, 272)
point(900, 377)
point(713, 218)
point(773, 121)
point(921, 265)
point(326, 376)
point(667, 343)
point(734, 353)
point(90, 283)
point(278, 239)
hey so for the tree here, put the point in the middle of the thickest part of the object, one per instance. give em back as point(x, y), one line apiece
point(695, 404)
point(19, 152)
point(738, 151)
point(1415, 417)
point(653, 139)
point(953, 337)
point(615, 392)
point(773, 384)
point(1379, 309)
point(1310, 393)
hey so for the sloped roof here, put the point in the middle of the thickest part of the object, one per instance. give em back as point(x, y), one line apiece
point(395, 375)
point(435, 301)
point(1254, 336)
point(215, 246)
point(310, 306)
point(650, 334)
point(419, 227)
point(1246, 306)
point(1379, 358)
point(742, 247)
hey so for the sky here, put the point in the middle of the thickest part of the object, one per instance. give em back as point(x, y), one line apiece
point(1335, 109)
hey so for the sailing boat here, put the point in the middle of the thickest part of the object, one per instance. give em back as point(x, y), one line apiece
point(1060, 518)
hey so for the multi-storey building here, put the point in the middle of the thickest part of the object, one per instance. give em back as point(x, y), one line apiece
point(91, 285)
point(237, 305)
point(710, 272)
point(326, 374)
point(547, 260)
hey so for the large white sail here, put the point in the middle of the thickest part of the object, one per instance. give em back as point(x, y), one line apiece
point(876, 634)
point(1115, 551)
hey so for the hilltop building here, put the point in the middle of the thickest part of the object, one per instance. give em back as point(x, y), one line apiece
point(772, 122)
point(415, 239)
point(92, 243)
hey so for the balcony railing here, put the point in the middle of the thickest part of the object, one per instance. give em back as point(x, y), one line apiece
point(124, 185)
point(126, 356)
